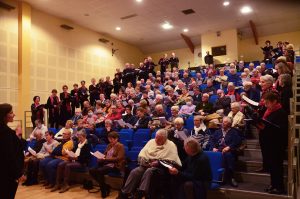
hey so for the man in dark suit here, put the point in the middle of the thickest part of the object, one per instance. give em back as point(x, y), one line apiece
point(197, 97)
point(143, 120)
point(227, 140)
point(208, 59)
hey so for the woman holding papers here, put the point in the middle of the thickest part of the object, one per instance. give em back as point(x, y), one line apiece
point(275, 131)
point(33, 163)
point(78, 160)
point(113, 161)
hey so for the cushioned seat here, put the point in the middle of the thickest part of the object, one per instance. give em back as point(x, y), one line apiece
point(215, 159)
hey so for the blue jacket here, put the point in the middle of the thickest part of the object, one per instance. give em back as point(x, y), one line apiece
point(232, 139)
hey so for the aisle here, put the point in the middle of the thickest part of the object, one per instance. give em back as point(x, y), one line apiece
point(76, 192)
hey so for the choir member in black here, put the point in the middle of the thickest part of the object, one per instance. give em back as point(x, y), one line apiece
point(37, 112)
point(53, 109)
point(150, 66)
point(117, 83)
point(83, 93)
point(128, 74)
point(163, 62)
point(12, 157)
point(65, 105)
point(275, 128)
point(94, 92)
point(277, 52)
point(208, 59)
point(267, 50)
point(285, 91)
point(75, 98)
point(107, 87)
point(173, 61)
point(100, 85)
point(118, 72)
point(227, 140)
point(142, 71)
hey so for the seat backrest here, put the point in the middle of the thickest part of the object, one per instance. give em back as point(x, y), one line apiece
point(189, 122)
point(213, 99)
point(215, 159)
point(132, 159)
point(126, 137)
point(99, 132)
point(54, 130)
point(141, 137)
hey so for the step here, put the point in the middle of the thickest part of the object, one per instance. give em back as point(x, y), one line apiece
point(250, 165)
point(244, 191)
point(252, 144)
point(253, 177)
point(253, 154)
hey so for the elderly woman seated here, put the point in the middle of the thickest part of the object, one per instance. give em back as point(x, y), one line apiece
point(69, 125)
point(79, 159)
point(150, 157)
point(49, 164)
point(113, 161)
point(178, 134)
point(193, 179)
point(39, 125)
point(200, 132)
point(237, 116)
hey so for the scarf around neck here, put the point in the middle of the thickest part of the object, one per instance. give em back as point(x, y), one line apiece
point(269, 111)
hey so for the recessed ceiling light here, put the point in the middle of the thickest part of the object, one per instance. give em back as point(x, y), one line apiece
point(226, 3)
point(138, 0)
point(185, 30)
point(246, 10)
point(167, 26)
point(118, 28)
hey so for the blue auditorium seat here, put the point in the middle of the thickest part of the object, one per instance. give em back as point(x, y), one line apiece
point(189, 123)
point(133, 159)
point(269, 66)
point(203, 86)
point(126, 137)
point(213, 99)
point(99, 132)
point(54, 130)
point(215, 159)
point(141, 137)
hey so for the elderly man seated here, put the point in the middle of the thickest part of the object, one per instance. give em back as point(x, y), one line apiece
point(200, 132)
point(193, 180)
point(150, 157)
point(227, 140)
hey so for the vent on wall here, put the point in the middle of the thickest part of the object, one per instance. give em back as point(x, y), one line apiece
point(6, 6)
point(188, 11)
point(103, 40)
point(128, 16)
point(66, 27)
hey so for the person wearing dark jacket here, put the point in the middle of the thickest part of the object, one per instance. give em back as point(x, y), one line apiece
point(94, 92)
point(53, 109)
point(208, 59)
point(37, 112)
point(193, 179)
point(275, 129)
point(223, 102)
point(142, 120)
point(286, 92)
point(75, 98)
point(12, 159)
point(65, 106)
point(174, 61)
point(79, 160)
point(113, 161)
point(163, 62)
point(227, 140)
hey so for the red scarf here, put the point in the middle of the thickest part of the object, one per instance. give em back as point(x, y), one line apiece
point(269, 111)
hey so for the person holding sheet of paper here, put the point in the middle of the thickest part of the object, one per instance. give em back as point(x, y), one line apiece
point(193, 179)
point(33, 163)
point(79, 159)
point(114, 161)
point(150, 170)
point(49, 164)
point(178, 134)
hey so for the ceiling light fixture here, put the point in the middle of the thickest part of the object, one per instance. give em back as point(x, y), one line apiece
point(246, 10)
point(139, 1)
point(167, 26)
point(185, 30)
point(118, 28)
point(226, 3)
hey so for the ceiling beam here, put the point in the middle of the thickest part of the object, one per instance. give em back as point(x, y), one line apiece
point(253, 28)
point(188, 42)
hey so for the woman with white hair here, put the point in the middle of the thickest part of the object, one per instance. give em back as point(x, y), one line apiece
point(178, 135)
point(251, 91)
point(237, 116)
point(200, 132)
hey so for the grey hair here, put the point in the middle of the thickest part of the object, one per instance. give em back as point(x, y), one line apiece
point(82, 132)
point(178, 120)
point(108, 121)
point(228, 119)
point(235, 105)
point(163, 133)
point(175, 108)
point(267, 78)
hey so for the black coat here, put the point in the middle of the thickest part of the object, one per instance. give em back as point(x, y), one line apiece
point(143, 122)
point(12, 158)
point(85, 155)
point(232, 139)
